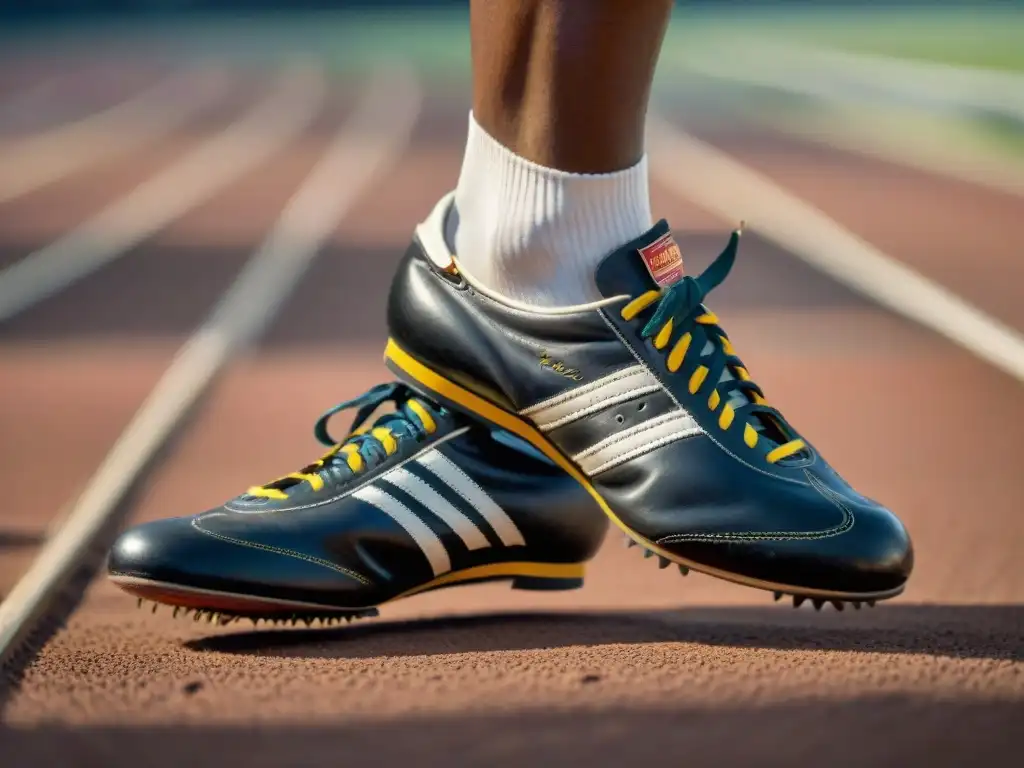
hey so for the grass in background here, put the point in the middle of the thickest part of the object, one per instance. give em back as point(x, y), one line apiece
point(974, 35)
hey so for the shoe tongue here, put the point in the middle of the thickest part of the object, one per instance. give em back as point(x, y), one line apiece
point(653, 261)
point(650, 262)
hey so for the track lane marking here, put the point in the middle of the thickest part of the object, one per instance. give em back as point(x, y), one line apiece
point(374, 135)
point(31, 162)
point(292, 104)
point(719, 183)
point(945, 149)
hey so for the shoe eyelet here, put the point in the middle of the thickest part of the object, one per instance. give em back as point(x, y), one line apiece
point(620, 418)
point(641, 406)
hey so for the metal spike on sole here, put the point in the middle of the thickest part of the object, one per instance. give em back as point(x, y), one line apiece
point(778, 596)
point(683, 570)
point(856, 604)
point(798, 600)
point(838, 605)
point(627, 542)
point(818, 603)
point(871, 603)
point(663, 562)
point(220, 618)
point(648, 553)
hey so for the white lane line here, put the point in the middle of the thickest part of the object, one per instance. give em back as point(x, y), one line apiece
point(719, 183)
point(31, 162)
point(371, 139)
point(285, 113)
point(861, 77)
point(935, 145)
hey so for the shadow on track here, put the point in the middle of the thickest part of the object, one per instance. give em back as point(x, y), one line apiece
point(965, 632)
point(872, 731)
point(20, 540)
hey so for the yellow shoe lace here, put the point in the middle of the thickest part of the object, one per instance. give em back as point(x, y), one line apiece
point(362, 446)
point(680, 308)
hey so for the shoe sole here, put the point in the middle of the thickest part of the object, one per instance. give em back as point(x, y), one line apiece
point(420, 376)
point(222, 607)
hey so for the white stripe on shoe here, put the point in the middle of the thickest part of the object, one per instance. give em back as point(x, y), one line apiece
point(420, 532)
point(420, 490)
point(622, 446)
point(618, 387)
point(451, 475)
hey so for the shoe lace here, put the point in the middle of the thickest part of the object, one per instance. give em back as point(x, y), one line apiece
point(680, 315)
point(362, 447)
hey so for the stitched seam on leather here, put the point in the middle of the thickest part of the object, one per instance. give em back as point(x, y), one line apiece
point(349, 491)
point(500, 329)
point(625, 397)
point(586, 389)
point(638, 429)
point(286, 552)
point(845, 525)
point(668, 391)
point(521, 340)
point(644, 450)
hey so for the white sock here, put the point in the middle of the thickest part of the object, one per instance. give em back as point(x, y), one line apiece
point(536, 234)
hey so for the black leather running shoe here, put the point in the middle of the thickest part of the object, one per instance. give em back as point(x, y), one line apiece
point(642, 398)
point(423, 499)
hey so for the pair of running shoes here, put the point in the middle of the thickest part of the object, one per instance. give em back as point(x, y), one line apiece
point(514, 436)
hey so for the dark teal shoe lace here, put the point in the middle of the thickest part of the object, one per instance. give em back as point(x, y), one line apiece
point(413, 418)
point(680, 314)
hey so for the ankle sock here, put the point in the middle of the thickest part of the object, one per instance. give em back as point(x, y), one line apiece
point(536, 234)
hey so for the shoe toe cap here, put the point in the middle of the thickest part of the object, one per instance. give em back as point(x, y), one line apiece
point(185, 553)
point(162, 550)
point(870, 554)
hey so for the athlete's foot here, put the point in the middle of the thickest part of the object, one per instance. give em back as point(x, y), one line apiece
point(425, 498)
point(642, 398)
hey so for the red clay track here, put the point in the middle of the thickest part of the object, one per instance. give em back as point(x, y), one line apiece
point(640, 665)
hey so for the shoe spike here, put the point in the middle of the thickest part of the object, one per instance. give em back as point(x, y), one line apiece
point(871, 603)
point(855, 604)
point(663, 562)
point(627, 542)
point(648, 553)
point(683, 570)
point(778, 596)
point(139, 604)
point(798, 600)
point(838, 605)
point(817, 603)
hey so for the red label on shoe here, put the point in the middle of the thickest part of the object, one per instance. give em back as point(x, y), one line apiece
point(664, 260)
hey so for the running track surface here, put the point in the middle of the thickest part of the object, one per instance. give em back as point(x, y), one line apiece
point(640, 665)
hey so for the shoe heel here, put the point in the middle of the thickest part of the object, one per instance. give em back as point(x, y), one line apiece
point(545, 584)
